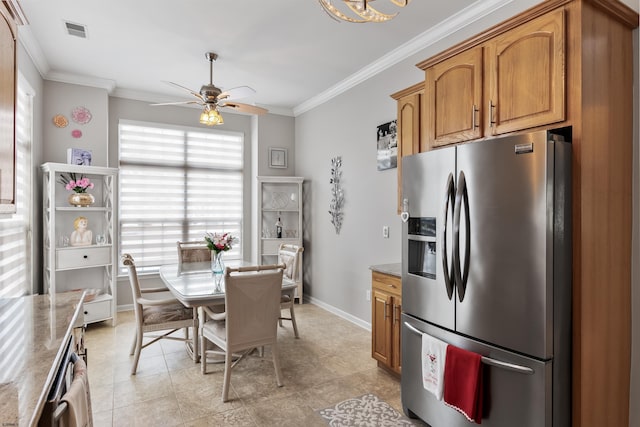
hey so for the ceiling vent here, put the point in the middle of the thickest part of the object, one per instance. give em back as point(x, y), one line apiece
point(77, 30)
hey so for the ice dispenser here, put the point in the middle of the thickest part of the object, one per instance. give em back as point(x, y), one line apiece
point(422, 247)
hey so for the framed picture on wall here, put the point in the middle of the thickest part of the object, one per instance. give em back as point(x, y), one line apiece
point(387, 142)
point(277, 157)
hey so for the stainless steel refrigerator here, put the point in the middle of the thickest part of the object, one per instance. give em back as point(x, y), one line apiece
point(486, 266)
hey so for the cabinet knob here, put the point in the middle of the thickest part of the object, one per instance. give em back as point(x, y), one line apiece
point(85, 256)
point(86, 312)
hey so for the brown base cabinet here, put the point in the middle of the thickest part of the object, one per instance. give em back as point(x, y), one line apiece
point(386, 309)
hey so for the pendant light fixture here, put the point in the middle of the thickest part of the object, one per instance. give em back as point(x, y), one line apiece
point(360, 8)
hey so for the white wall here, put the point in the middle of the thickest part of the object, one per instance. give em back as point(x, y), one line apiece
point(275, 131)
point(269, 130)
point(62, 98)
point(28, 71)
point(337, 266)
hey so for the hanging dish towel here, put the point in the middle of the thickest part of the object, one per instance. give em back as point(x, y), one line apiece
point(78, 398)
point(434, 354)
point(463, 382)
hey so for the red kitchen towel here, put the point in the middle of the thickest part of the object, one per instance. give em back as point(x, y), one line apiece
point(463, 382)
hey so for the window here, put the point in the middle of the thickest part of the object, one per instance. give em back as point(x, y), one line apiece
point(176, 184)
point(15, 230)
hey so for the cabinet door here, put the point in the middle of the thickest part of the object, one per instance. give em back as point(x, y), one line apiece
point(526, 68)
point(7, 112)
point(408, 133)
point(396, 356)
point(381, 308)
point(454, 97)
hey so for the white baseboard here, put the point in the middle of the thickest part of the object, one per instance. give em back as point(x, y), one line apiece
point(321, 304)
point(339, 313)
point(126, 307)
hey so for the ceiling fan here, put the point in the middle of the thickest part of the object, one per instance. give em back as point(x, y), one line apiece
point(212, 98)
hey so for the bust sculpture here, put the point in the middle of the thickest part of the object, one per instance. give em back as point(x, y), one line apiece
point(81, 236)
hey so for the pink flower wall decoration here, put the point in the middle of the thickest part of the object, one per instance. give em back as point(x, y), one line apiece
point(81, 115)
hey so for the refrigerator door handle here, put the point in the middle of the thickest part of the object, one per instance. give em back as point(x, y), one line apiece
point(486, 360)
point(461, 276)
point(448, 205)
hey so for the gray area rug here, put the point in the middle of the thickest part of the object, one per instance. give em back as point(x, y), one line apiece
point(365, 411)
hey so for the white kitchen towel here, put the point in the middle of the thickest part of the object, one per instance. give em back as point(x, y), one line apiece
point(434, 354)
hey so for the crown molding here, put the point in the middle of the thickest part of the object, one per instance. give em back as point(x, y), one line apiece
point(31, 46)
point(16, 11)
point(76, 79)
point(465, 17)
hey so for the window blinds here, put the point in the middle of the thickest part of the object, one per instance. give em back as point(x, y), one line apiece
point(15, 247)
point(176, 184)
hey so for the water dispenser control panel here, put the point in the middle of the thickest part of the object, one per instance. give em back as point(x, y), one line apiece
point(422, 246)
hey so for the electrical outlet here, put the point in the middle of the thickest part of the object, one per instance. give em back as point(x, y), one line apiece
point(368, 295)
point(385, 231)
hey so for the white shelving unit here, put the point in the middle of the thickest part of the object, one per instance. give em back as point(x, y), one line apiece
point(279, 197)
point(92, 267)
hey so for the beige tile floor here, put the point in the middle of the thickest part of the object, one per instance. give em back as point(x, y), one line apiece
point(329, 363)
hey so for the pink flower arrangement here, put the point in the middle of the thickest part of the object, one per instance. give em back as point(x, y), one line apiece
point(220, 242)
point(78, 185)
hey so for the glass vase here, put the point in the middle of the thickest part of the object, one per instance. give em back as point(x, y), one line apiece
point(217, 266)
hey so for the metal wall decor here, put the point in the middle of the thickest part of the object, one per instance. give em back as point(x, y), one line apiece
point(337, 195)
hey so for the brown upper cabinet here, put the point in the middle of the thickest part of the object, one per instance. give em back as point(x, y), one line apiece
point(409, 127)
point(454, 99)
point(514, 81)
point(526, 76)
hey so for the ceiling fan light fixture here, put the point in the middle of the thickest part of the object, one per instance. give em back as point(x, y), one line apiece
point(212, 98)
point(211, 117)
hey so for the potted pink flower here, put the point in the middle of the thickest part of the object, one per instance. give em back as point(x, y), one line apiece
point(79, 186)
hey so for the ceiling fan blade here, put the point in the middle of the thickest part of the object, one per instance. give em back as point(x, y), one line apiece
point(236, 93)
point(244, 108)
point(191, 91)
point(176, 103)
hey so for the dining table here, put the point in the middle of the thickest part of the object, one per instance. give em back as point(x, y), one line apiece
point(196, 286)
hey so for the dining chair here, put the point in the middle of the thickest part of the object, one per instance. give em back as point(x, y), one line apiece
point(291, 256)
point(154, 313)
point(193, 251)
point(252, 302)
